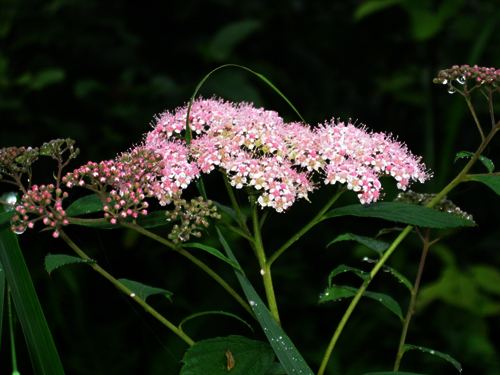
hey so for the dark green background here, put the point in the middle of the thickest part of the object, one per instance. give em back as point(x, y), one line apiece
point(98, 72)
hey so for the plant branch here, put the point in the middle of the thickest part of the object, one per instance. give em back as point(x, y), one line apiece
point(125, 290)
point(358, 296)
point(193, 259)
point(411, 310)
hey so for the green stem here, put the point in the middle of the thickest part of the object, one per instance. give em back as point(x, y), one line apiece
point(308, 226)
point(411, 310)
point(476, 120)
point(462, 176)
point(236, 207)
point(358, 296)
point(127, 291)
point(193, 259)
point(265, 268)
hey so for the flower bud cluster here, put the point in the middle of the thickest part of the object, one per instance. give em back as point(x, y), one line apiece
point(461, 74)
point(45, 203)
point(193, 217)
point(16, 160)
point(444, 205)
point(131, 176)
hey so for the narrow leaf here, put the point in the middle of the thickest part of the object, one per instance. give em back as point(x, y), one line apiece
point(400, 277)
point(454, 362)
point(393, 373)
point(467, 154)
point(492, 181)
point(245, 357)
point(214, 252)
point(144, 291)
point(228, 210)
point(343, 268)
point(213, 312)
point(6, 216)
point(85, 205)
point(403, 213)
point(43, 353)
point(3, 289)
point(371, 243)
point(336, 292)
point(290, 358)
point(53, 261)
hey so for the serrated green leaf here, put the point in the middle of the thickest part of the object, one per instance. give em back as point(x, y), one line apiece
point(289, 357)
point(144, 291)
point(208, 357)
point(53, 261)
point(213, 312)
point(454, 362)
point(337, 292)
point(488, 163)
point(214, 252)
point(343, 268)
point(492, 181)
point(85, 205)
point(371, 243)
point(400, 277)
point(43, 353)
point(403, 213)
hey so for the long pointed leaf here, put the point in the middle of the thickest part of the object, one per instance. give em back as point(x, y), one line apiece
point(403, 213)
point(454, 362)
point(289, 356)
point(2, 298)
point(44, 357)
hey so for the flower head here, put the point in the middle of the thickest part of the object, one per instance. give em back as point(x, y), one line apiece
point(256, 149)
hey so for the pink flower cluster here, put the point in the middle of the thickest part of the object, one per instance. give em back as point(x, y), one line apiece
point(258, 150)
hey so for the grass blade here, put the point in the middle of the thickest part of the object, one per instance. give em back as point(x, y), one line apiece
point(289, 356)
point(44, 357)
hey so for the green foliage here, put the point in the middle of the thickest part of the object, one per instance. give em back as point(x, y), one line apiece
point(343, 268)
point(455, 363)
point(144, 291)
point(53, 261)
point(488, 163)
point(210, 357)
point(214, 252)
point(43, 353)
point(210, 313)
point(403, 213)
point(288, 355)
point(470, 290)
point(337, 292)
point(371, 243)
point(492, 181)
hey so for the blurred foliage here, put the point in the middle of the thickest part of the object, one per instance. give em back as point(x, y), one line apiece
point(98, 72)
